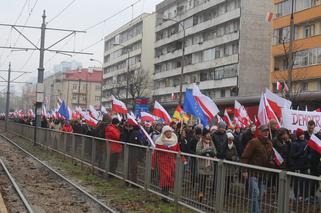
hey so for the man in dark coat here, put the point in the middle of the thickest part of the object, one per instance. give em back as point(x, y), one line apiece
point(220, 140)
point(247, 136)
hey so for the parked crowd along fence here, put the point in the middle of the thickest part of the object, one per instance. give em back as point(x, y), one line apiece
point(225, 186)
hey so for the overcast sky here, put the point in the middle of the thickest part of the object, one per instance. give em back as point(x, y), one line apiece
point(80, 15)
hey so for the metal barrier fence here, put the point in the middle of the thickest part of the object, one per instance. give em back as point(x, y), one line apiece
point(199, 183)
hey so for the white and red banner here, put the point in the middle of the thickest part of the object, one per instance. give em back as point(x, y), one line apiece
point(315, 143)
point(293, 119)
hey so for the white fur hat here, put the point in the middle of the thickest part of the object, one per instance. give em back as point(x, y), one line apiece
point(167, 128)
point(229, 135)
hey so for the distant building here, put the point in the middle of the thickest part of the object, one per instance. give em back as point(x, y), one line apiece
point(227, 49)
point(67, 65)
point(306, 48)
point(133, 41)
point(77, 88)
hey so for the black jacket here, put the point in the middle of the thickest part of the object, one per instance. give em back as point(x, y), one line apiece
point(246, 137)
point(299, 155)
point(220, 142)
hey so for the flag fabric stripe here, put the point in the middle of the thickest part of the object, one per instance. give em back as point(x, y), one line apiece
point(315, 143)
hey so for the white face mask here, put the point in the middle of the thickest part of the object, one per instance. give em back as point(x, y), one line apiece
point(230, 145)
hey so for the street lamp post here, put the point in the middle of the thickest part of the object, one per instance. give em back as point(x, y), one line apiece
point(127, 74)
point(182, 58)
point(102, 80)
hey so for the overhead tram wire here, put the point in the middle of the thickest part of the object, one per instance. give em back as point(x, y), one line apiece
point(17, 19)
point(63, 10)
point(55, 17)
point(27, 20)
point(97, 24)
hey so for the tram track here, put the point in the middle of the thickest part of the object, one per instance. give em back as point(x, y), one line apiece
point(45, 188)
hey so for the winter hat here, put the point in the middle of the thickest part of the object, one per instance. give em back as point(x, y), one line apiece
point(222, 125)
point(299, 132)
point(167, 128)
point(229, 135)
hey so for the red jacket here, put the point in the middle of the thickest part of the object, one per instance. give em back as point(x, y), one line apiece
point(113, 133)
point(67, 128)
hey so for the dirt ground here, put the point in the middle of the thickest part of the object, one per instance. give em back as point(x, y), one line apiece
point(45, 192)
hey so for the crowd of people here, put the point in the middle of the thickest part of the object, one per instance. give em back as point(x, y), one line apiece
point(252, 145)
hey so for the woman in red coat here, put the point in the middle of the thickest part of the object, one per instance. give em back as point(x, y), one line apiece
point(112, 133)
point(165, 161)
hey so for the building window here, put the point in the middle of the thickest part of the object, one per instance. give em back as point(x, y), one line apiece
point(305, 86)
point(74, 97)
point(98, 87)
point(74, 86)
point(84, 98)
point(97, 98)
point(223, 93)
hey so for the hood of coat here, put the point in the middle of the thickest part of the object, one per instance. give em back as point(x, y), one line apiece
point(169, 142)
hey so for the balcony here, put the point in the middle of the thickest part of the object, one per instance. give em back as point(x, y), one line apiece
point(200, 27)
point(311, 72)
point(199, 66)
point(122, 71)
point(126, 43)
point(299, 17)
point(189, 13)
point(123, 57)
point(298, 45)
point(199, 47)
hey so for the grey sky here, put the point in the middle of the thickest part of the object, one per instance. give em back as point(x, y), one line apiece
point(80, 15)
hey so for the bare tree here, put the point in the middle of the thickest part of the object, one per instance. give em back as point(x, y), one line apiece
point(138, 85)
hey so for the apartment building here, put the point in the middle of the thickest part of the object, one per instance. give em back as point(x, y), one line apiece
point(76, 87)
point(306, 46)
point(129, 52)
point(227, 48)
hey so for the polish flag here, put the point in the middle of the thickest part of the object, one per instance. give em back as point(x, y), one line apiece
point(160, 112)
point(103, 109)
point(241, 114)
point(269, 16)
point(205, 102)
point(227, 119)
point(315, 143)
point(131, 120)
point(277, 103)
point(279, 86)
point(146, 117)
point(89, 120)
point(278, 158)
point(119, 106)
point(93, 112)
point(317, 110)
point(270, 113)
point(44, 111)
point(262, 118)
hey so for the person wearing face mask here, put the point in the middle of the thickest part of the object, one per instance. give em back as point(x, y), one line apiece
point(231, 155)
point(166, 161)
point(282, 144)
point(259, 152)
point(205, 147)
point(247, 136)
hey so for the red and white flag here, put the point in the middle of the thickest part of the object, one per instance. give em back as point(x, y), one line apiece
point(278, 158)
point(227, 119)
point(119, 106)
point(160, 112)
point(262, 118)
point(315, 143)
point(241, 116)
point(88, 119)
point(206, 103)
point(269, 16)
point(144, 116)
point(277, 103)
point(279, 86)
point(93, 112)
point(103, 109)
point(270, 113)
point(131, 120)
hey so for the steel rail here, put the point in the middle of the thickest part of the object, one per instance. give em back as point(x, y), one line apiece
point(16, 188)
point(107, 208)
